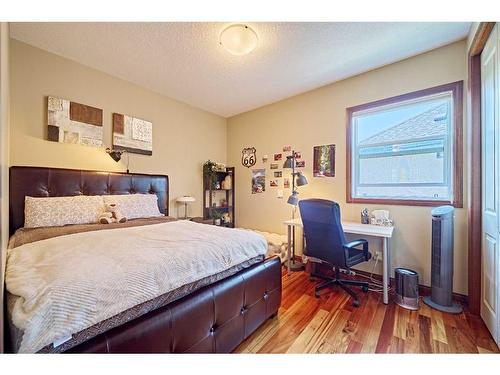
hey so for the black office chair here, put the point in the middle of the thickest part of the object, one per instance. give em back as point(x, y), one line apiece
point(325, 240)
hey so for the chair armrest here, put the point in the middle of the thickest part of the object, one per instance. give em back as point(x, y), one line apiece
point(357, 243)
point(353, 244)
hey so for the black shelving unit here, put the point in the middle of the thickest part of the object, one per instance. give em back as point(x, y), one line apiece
point(212, 197)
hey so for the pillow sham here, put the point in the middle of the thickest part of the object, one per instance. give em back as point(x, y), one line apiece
point(134, 206)
point(58, 211)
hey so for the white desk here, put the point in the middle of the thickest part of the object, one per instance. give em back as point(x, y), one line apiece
point(385, 233)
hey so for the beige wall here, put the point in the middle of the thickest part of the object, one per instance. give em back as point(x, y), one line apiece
point(318, 117)
point(4, 160)
point(183, 136)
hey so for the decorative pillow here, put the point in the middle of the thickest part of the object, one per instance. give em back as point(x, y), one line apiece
point(134, 206)
point(58, 211)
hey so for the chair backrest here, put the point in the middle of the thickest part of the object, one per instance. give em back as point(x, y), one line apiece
point(325, 237)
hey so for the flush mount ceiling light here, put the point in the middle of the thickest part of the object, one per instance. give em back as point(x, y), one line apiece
point(238, 39)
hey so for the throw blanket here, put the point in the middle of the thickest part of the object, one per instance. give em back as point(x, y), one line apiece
point(69, 283)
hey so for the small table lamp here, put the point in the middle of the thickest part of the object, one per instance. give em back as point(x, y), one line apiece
point(185, 199)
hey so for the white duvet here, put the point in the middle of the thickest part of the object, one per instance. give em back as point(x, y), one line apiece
point(69, 283)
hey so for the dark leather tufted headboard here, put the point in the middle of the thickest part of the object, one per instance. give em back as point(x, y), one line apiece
point(55, 182)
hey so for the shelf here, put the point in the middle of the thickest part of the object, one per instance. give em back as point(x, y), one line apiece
point(219, 208)
point(218, 189)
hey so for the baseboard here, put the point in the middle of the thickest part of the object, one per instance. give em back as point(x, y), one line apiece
point(423, 290)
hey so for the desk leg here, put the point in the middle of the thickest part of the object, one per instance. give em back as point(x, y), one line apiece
point(387, 270)
point(289, 247)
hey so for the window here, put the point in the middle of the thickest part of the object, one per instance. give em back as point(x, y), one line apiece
point(407, 149)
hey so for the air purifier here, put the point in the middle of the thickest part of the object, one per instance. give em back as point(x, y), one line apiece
point(442, 261)
point(406, 288)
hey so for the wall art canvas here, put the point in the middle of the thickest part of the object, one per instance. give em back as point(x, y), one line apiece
point(71, 122)
point(258, 181)
point(132, 134)
point(324, 161)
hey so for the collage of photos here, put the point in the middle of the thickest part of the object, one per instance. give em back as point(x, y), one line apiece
point(276, 177)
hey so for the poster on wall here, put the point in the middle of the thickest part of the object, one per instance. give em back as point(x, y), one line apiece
point(258, 181)
point(324, 161)
point(132, 134)
point(71, 122)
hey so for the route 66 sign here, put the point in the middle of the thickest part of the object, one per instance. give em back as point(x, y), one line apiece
point(248, 157)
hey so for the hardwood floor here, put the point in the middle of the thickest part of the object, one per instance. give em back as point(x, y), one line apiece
point(330, 324)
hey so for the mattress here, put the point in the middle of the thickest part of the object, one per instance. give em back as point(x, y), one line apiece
point(214, 237)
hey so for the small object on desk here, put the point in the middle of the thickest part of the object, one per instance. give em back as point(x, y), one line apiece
point(365, 217)
point(381, 218)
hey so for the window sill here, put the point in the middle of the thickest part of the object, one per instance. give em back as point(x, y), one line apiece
point(404, 202)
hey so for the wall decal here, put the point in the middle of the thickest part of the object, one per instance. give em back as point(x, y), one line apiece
point(132, 134)
point(70, 122)
point(324, 161)
point(258, 181)
point(248, 157)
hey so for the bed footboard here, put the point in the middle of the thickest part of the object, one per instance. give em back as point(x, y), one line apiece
point(214, 319)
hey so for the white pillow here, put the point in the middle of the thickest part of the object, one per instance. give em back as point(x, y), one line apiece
point(58, 211)
point(134, 206)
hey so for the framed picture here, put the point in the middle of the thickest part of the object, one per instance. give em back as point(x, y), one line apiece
point(278, 174)
point(132, 134)
point(278, 157)
point(324, 161)
point(300, 163)
point(274, 166)
point(286, 183)
point(273, 183)
point(258, 181)
point(71, 122)
point(287, 148)
point(298, 155)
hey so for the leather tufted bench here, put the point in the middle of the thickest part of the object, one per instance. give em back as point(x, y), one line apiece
point(215, 319)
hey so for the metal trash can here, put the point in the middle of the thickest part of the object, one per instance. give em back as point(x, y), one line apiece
point(406, 288)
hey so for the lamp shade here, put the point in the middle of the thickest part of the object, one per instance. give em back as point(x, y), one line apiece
point(289, 162)
point(116, 155)
point(186, 199)
point(293, 199)
point(301, 179)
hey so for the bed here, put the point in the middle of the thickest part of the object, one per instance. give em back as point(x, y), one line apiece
point(211, 311)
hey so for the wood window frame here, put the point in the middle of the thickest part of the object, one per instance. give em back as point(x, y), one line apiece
point(457, 150)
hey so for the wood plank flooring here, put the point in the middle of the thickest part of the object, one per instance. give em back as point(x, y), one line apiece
point(330, 324)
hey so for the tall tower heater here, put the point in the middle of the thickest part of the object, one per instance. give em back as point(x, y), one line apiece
point(442, 261)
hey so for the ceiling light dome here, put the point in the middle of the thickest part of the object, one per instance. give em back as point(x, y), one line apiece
point(238, 39)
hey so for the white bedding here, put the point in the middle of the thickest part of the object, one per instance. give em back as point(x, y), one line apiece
point(69, 283)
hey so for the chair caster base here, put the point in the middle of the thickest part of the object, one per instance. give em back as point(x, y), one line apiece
point(364, 289)
point(316, 294)
point(355, 303)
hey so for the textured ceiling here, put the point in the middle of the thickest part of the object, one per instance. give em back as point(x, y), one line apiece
point(184, 60)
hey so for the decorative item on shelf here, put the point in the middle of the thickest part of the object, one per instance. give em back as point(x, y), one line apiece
point(219, 167)
point(264, 158)
point(226, 218)
point(209, 173)
point(186, 199)
point(248, 157)
point(227, 183)
point(217, 216)
point(381, 217)
point(71, 122)
point(324, 161)
point(300, 180)
point(365, 216)
point(132, 134)
point(223, 203)
point(116, 155)
point(216, 185)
